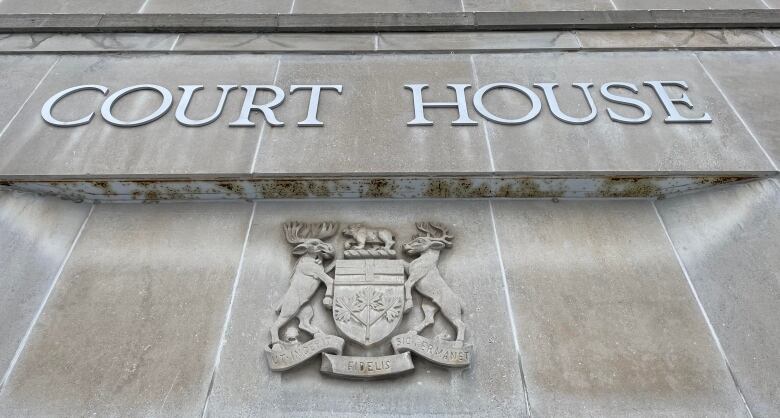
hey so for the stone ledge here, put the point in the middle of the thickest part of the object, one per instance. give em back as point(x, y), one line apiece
point(525, 186)
point(390, 42)
point(392, 22)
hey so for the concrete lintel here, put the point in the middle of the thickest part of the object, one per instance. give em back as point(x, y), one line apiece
point(388, 22)
point(754, 39)
point(525, 186)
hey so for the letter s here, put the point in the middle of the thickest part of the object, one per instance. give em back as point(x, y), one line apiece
point(47, 107)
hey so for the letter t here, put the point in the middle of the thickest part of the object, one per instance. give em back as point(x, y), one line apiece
point(314, 100)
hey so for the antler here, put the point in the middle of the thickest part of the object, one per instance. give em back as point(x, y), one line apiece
point(444, 234)
point(423, 227)
point(292, 232)
point(326, 230)
point(298, 232)
point(441, 234)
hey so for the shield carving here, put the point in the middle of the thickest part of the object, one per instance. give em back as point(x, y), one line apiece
point(368, 298)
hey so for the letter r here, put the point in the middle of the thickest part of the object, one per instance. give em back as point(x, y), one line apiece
point(267, 109)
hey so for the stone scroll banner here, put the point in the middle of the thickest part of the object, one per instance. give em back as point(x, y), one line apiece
point(285, 356)
point(367, 368)
point(442, 352)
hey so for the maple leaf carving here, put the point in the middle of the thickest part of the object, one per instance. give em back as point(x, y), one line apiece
point(368, 297)
point(342, 311)
point(391, 305)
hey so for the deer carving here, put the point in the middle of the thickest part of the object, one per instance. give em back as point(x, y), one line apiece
point(425, 277)
point(307, 274)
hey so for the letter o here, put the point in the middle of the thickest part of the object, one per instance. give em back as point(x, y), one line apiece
point(105, 110)
point(536, 104)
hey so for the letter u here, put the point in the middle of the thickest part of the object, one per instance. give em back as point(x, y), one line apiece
point(186, 98)
point(552, 101)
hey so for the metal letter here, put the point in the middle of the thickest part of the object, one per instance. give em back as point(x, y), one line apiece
point(668, 102)
point(186, 97)
point(556, 110)
point(314, 101)
point(647, 113)
point(536, 104)
point(249, 106)
point(419, 105)
point(47, 107)
point(105, 110)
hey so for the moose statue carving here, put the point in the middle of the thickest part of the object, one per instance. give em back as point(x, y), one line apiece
point(307, 274)
point(425, 277)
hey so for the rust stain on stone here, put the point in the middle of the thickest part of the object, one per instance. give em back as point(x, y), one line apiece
point(465, 188)
point(104, 186)
point(233, 187)
point(460, 188)
point(714, 181)
point(437, 189)
point(525, 188)
point(628, 187)
point(318, 188)
point(380, 188)
point(481, 186)
point(279, 189)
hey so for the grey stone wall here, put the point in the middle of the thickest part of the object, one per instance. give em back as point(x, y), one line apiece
point(369, 119)
point(349, 7)
point(603, 308)
point(658, 298)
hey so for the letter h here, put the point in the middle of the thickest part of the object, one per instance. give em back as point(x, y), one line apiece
point(460, 104)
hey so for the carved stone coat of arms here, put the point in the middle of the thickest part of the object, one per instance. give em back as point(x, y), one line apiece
point(368, 294)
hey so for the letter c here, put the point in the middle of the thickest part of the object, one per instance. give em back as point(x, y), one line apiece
point(53, 100)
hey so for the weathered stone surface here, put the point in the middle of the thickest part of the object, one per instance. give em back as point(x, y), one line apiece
point(375, 6)
point(134, 323)
point(373, 21)
point(35, 236)
point(606, 322)
point(688, 4)
point(476, 41)
point(684, 38)
point(392, 41)
point(365, 128)
point(177, 22)
point(292, 42)
point(548, 144)
point(773, 35)
point(748, 80)
point(70, 6)
point(495, 18)
point(217, 6)
point(727, 240)
point(56, 42)
point(31, 146)
point(492, 386)
point(20, 76)
point(535, 5)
